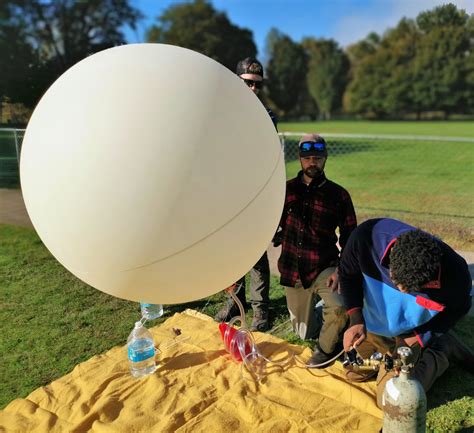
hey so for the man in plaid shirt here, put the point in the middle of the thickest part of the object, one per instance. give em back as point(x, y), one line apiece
point(314, 208)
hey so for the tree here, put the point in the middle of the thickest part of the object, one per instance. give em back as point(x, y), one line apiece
point(469, 65)
point(442, 67)
point(420, 66)
point(328, 71)
point(199, 27)
point(286, 70)
point(397, 51)
point(360, 50)
point(56, 34)
point(382, 81)
point(442, 16)
point(17, 59)
point(18, 62)
point(357, 54)
point(363, 94)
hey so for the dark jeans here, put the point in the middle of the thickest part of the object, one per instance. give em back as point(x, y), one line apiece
point(259, 285)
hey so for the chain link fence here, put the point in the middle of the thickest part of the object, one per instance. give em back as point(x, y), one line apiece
point(401, 176)
point(385, 174)
point(10, 151)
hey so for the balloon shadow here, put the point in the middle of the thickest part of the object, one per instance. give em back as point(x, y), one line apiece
point(187, 360)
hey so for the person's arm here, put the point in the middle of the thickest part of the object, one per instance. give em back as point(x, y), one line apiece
point(356, 332)
point(273, 117)
point(350, 281)
point(347, 222)
point(347, 219)
point(350, 274)
point(278, 236)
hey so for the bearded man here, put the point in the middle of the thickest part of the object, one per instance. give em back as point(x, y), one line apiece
point(315, 207)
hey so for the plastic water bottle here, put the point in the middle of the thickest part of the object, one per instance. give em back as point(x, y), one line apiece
point(151, 311)
point(141, 351)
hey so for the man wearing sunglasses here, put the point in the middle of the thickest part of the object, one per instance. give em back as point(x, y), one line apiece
point(250, 71)
point(314, 208)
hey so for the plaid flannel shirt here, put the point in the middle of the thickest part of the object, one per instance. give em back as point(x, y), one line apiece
point(310, 217)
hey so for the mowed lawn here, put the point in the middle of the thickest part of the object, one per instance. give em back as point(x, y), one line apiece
point(430, 128)
point(50, 321)
point(427, 183)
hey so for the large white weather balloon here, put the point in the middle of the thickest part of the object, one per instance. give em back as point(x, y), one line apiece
point(153, 173)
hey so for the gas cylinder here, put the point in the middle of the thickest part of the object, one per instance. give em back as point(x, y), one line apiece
point(404, 400)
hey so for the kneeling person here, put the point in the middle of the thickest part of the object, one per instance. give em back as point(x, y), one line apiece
point(404, 287)
point(314, 208)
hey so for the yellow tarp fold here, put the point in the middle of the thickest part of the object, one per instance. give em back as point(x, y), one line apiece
point(197, 388)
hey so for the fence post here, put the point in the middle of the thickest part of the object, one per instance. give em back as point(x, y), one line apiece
point(17, 146)
point(282, 141)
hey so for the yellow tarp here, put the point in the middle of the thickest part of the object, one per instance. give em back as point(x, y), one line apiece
point(197, 388)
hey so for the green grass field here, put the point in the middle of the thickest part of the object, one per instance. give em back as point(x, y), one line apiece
point(50, 321)
point(387, 178)
point(426, 183)
point(430, 128)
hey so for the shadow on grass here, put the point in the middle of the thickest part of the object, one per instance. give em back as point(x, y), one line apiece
point(278, 308)
point(456, 383)
point(211, 305)
point(208, 306)
point(415, 212)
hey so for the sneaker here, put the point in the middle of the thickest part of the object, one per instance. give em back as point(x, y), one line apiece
point(320, 357)
point(260, 321)
point(227, 312)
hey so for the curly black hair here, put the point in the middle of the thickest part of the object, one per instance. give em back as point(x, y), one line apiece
point(414, 259)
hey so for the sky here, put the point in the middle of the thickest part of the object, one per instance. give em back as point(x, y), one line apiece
point(346, 21)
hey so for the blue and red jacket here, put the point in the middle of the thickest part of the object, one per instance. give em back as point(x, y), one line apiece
point(364, 277)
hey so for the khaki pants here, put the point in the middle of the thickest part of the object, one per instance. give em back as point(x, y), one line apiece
point(430, 363)
point(301, 304)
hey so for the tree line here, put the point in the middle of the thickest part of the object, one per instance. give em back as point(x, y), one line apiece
point(421, 66)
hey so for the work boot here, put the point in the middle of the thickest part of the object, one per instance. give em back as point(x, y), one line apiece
point(320, 357)
point(260, 320)
point(355, 375)
point(455, 350)
point(227, 312)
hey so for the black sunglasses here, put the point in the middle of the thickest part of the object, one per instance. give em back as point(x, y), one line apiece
point(251, 83)
point(310, 145)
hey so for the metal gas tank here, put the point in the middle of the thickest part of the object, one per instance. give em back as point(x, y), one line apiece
point(404, 404)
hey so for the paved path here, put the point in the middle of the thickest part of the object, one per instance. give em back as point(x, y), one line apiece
point(12, 208)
